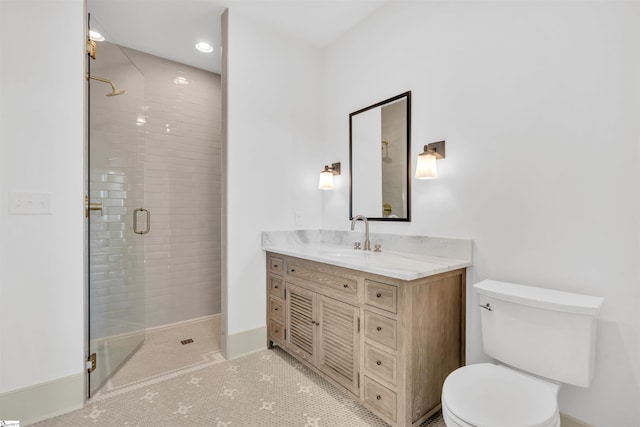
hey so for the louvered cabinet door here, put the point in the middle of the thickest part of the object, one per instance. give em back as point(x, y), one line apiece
point(338, 348)
point(301, 323)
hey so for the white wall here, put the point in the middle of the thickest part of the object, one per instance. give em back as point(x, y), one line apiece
point(538, 103)
point(41, 150)
point(274, 155)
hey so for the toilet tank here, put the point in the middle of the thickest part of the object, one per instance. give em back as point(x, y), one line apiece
point(542, 331)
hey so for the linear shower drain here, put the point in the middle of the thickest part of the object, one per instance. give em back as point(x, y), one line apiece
point(187, 341)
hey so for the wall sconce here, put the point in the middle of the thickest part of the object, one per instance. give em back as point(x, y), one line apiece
point(426, 167)
point(326, 176)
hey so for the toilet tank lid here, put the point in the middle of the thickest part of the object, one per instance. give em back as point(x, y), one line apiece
point(540, 297)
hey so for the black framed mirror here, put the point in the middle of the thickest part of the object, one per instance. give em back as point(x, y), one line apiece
point(379, 160)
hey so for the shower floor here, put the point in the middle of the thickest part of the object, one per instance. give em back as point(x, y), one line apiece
point(163, 352)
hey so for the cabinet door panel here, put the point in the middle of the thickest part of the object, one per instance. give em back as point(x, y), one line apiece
point(276, 311)
point(276, 286)
point(338, 342)
point(276, 265)
point(300, 321)
point(381, 399)
point(276, 332)
point(343, 286)
point(380, 328)
point(380, 363)
point(381, 295)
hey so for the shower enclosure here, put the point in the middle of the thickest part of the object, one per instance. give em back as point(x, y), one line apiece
point(117, 221)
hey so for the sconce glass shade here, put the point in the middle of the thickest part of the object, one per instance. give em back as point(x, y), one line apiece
point(326, 180)
point(426, 167)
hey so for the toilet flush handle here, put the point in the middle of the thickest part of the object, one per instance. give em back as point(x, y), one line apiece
point(487, 306)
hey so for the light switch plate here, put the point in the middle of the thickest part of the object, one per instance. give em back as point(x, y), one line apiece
point(29, 203)
point(299, 218)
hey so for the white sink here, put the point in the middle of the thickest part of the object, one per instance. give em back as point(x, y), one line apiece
point(345, 254)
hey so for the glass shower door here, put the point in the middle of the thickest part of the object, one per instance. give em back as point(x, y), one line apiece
point(116, 110)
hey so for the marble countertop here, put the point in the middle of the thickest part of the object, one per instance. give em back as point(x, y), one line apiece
point(422, 256)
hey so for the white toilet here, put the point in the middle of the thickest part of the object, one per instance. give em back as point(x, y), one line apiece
point(541, 338)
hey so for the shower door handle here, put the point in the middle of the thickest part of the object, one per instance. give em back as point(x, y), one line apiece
point(91, 207)
point(135, 221)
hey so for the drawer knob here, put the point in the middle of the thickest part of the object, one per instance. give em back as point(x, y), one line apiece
point(275, 309)
point(293, 270)
point(378, 397)
point(379, 328)
point(345, 286)
point(275, 265)
point(378, 295)
point(277, 331)
point(275, 287)
point(379, 363)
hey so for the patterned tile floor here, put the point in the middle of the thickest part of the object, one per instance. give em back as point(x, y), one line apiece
point(269, 388)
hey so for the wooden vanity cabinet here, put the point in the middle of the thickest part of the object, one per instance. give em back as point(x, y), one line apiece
point(275, 300)
point(324, 332)
point(388, 342)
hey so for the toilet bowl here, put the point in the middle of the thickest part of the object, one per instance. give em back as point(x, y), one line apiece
point(487, 395)
point(540, 338)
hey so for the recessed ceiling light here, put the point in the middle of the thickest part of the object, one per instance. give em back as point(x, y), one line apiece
point(204, 47)
point(181, 81)
point(96, 36)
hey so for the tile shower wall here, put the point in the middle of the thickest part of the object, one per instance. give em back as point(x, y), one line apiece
point(182, 188)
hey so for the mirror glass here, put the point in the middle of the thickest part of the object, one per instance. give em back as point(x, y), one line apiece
point(379, 149)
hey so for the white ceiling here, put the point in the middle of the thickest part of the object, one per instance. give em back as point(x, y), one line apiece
point(171, 28)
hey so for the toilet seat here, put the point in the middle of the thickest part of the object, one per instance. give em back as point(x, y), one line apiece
point(487, 395)
point(450, 420)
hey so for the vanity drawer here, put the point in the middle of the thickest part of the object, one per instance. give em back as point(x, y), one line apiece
point(380, 398)
point(381, 295)
point(276, 310)
point(276, 332)
point(380, 329)
point(380, 363)
point(338, 286)
point(276, 286)
point(276, 265)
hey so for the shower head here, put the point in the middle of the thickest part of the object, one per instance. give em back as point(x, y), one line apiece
point(114, 91)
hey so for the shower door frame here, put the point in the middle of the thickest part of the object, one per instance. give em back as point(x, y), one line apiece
point(115, 297)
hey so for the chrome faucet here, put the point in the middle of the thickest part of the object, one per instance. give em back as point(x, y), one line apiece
point(367, 243)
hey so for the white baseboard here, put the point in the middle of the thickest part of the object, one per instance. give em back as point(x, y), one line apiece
point(246, 342)
point(569, 421)
point(39, 402)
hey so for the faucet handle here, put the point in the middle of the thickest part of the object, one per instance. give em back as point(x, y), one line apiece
point(377, 247)
point(356, 245)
